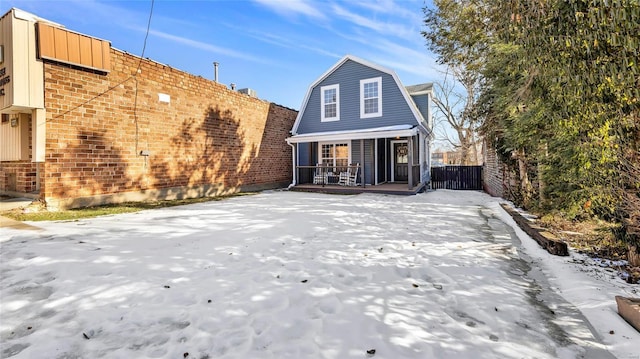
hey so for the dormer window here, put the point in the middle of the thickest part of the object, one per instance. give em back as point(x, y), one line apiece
point(330, 110)
point(371, 97)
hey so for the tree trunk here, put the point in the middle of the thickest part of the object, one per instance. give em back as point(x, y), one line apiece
point(525, 184)
point(634, 256)
point(544, 151)
point(474, 151)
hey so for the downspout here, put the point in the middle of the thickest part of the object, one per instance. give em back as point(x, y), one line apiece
point(410, 161)
point(293, 159)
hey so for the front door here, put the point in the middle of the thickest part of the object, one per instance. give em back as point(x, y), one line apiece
point(400, 162)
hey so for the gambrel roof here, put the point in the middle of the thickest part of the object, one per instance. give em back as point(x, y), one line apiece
point(406, 93)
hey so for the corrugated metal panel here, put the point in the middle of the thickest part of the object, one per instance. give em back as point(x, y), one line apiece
point(60, 46)
point(22, 73)
point(69, 47)
point(395, 110)
point(14, 140)
point(74, 49)
point(86, 58)
point(46, 41)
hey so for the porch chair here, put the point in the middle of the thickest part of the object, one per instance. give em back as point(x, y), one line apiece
point(353, 175)
point(343, 179)
point(320, 176)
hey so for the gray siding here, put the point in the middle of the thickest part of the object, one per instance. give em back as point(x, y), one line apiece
point(422, 102)
point(395, 110)
point(382, 160)
point(304, 155)
point(369, 169)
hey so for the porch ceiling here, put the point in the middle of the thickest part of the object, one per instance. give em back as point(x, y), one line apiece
point(381, 132)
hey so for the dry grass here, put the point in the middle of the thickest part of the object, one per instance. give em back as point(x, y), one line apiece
point(41, 214)
point(594, 238)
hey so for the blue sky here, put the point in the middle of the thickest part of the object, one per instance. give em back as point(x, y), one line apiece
point(276, 47)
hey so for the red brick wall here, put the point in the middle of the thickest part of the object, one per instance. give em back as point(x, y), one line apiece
point(207, 135)
point(22, 174)
point(498, 179)
point(19, 176)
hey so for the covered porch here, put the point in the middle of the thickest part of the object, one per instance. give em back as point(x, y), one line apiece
point(391, 160)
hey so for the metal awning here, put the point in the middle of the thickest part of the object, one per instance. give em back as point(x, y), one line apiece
point(379, 132)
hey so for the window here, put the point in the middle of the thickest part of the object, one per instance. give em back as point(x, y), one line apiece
point(371, 97)
point(330, 110)
point(334, 155)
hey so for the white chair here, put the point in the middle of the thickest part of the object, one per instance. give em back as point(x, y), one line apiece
point(353, 175)
point(343, 179)
point(321, 174)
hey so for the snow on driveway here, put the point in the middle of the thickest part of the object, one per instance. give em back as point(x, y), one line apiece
point(298, 275)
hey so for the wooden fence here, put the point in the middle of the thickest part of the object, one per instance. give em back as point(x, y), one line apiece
point(457, 177)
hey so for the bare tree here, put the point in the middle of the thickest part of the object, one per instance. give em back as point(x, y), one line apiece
point(455, 107)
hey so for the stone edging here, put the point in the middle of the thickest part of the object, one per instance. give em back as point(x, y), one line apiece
point(547, 240)
point(629, 309)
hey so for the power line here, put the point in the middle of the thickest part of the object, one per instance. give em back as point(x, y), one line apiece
point(135, 97)
point(144, 46)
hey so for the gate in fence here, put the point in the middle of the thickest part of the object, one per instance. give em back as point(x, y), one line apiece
point(457, 177)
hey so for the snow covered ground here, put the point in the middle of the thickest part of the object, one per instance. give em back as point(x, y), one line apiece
point(298, 275)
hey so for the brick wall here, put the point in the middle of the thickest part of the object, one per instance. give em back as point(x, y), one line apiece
point(207, 140)
point(18, 176)
point(498, 180)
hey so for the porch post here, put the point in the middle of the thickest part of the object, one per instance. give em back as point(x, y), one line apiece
point(410, 161)
point(362, 161)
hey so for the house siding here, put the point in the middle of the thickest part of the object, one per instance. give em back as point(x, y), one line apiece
point(395, 110)
point(369, 163)
point(422, 102)
point(305, 155)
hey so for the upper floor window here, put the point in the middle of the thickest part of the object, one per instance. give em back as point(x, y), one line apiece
point(330, 110)
point(371, 97)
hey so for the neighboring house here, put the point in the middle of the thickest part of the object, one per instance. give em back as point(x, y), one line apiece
point(445, 158)
point(358, 112)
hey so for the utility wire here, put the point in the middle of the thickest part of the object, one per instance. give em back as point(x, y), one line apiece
point(144, 46)
point(135, 97)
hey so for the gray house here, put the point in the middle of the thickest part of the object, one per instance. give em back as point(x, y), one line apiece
point(357, 119)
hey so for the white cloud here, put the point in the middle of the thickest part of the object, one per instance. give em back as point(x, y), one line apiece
point(413, 60)
point(290, 43)
point(383, 27)
point(207, 47)
point(393, 8)
point(292, 7)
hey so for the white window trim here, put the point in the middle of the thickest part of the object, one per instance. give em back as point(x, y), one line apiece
point(322, 103)
point(348, 143)
point(374, 114)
